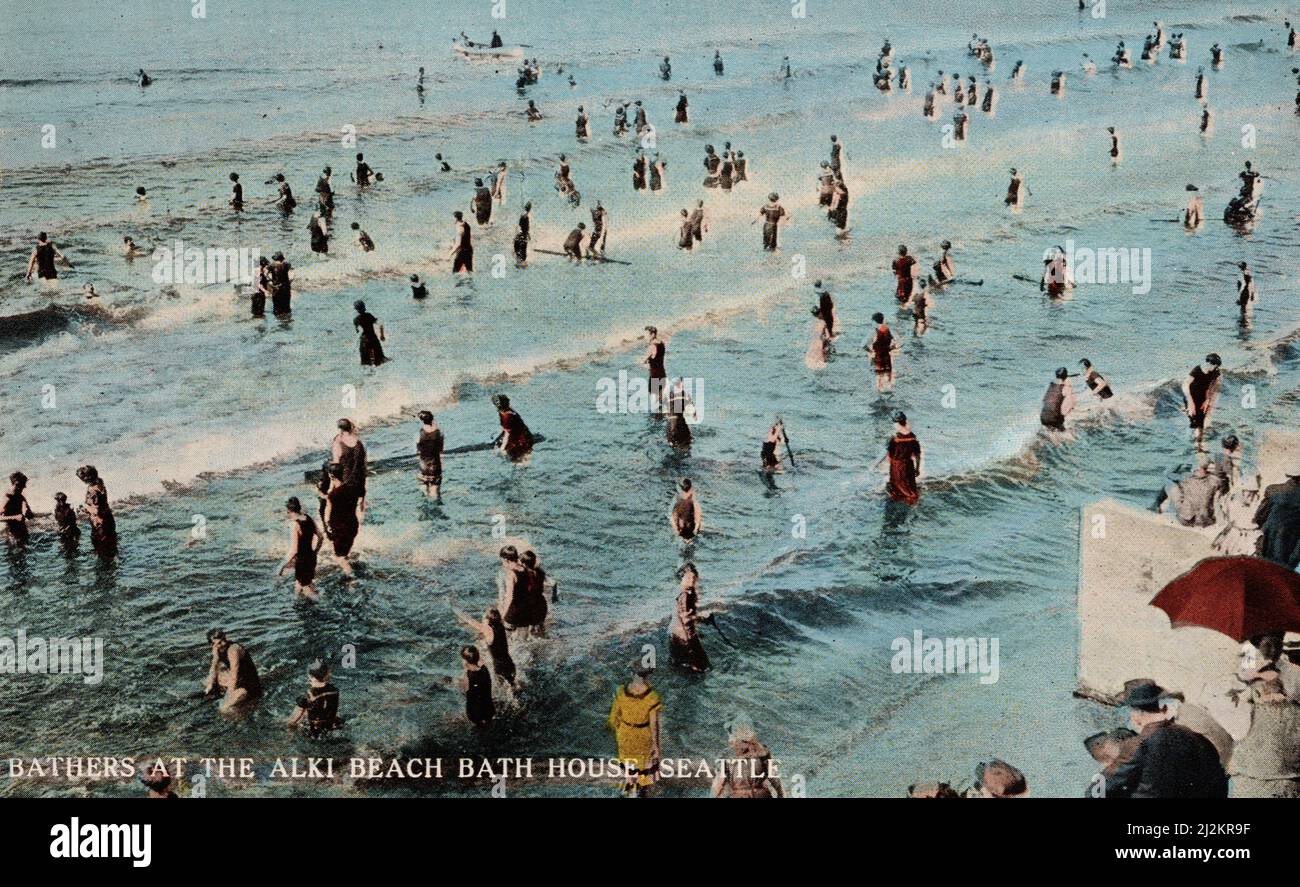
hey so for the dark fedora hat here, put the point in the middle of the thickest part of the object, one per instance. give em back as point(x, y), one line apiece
point(1144, 694)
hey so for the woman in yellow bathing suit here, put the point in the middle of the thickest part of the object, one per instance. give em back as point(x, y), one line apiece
point(634, 718)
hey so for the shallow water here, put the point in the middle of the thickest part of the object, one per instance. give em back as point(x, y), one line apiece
point(190, 408)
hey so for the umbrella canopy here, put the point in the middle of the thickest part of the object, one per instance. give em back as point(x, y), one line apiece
point(1240, 597)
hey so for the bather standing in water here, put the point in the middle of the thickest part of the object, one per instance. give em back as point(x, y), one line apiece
point(103, 528)
point(372, 334)
point(678, 430)
point(428, 449)
point(684, 647)
point(515, 440)
point(819, 348)
point(523, 235)
point(770, 458)
point(342, 521)
point(686, 518)
point(305, 541)
point(16, 512)
point(905, 461)
point(772, 213)
point(42, 260)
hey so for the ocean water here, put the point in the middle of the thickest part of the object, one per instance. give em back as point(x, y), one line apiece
point(189, 407)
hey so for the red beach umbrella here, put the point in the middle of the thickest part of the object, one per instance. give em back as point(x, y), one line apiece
point(1240, 597)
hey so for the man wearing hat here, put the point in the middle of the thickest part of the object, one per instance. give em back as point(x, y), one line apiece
point(1279, 518)
point(1171, 761)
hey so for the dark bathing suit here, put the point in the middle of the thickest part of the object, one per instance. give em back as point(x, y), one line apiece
point(45, 261)
point(1103, 391)
point(1200, 387)
point(322, 707)
point(429, 451)
point(320, 242)
point(521, 439)
point(903, 451)
point(281, 295)
point(248, 679)
point(372, 352)
point(881, 350)
point(521, 239)
point(499, 649)
point(771, 217)
point(16, 504)
point(343, 523)
point(1051, 415)
point(684, 512)
point(478, 697)
point(66, 519)
point(687, 652)
point(103, 529)
point(464, 258)
point(304, 562)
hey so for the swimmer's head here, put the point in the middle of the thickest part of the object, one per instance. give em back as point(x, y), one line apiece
point(293, 505)
point(140, 191)
point(327, 171)
point(902, 250)
point(688, 569)
point(61, 497)
point(946, 244)
point(878, 317)
point(234, 177)
point(359, 306)
point(774, 197)
point(88, 473)
point(508, 553)
point(1231, 442)
point(478, 183)
point(218, 637)
point(528, 207)
point(1086, 363)
point(318, 670)
point(528, 559)
point(458, 216)
point(426, 417)
point(1062, 373)
point(262, 262)
point(469, 654)
point(18, 479)
point(900, 418)
point(278, 257)
point(360, 156)
point(653, 331)
point(685, 485)
point(1213, 360)
point(500, 401)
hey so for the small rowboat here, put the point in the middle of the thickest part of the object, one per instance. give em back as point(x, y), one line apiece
point(484, 53)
